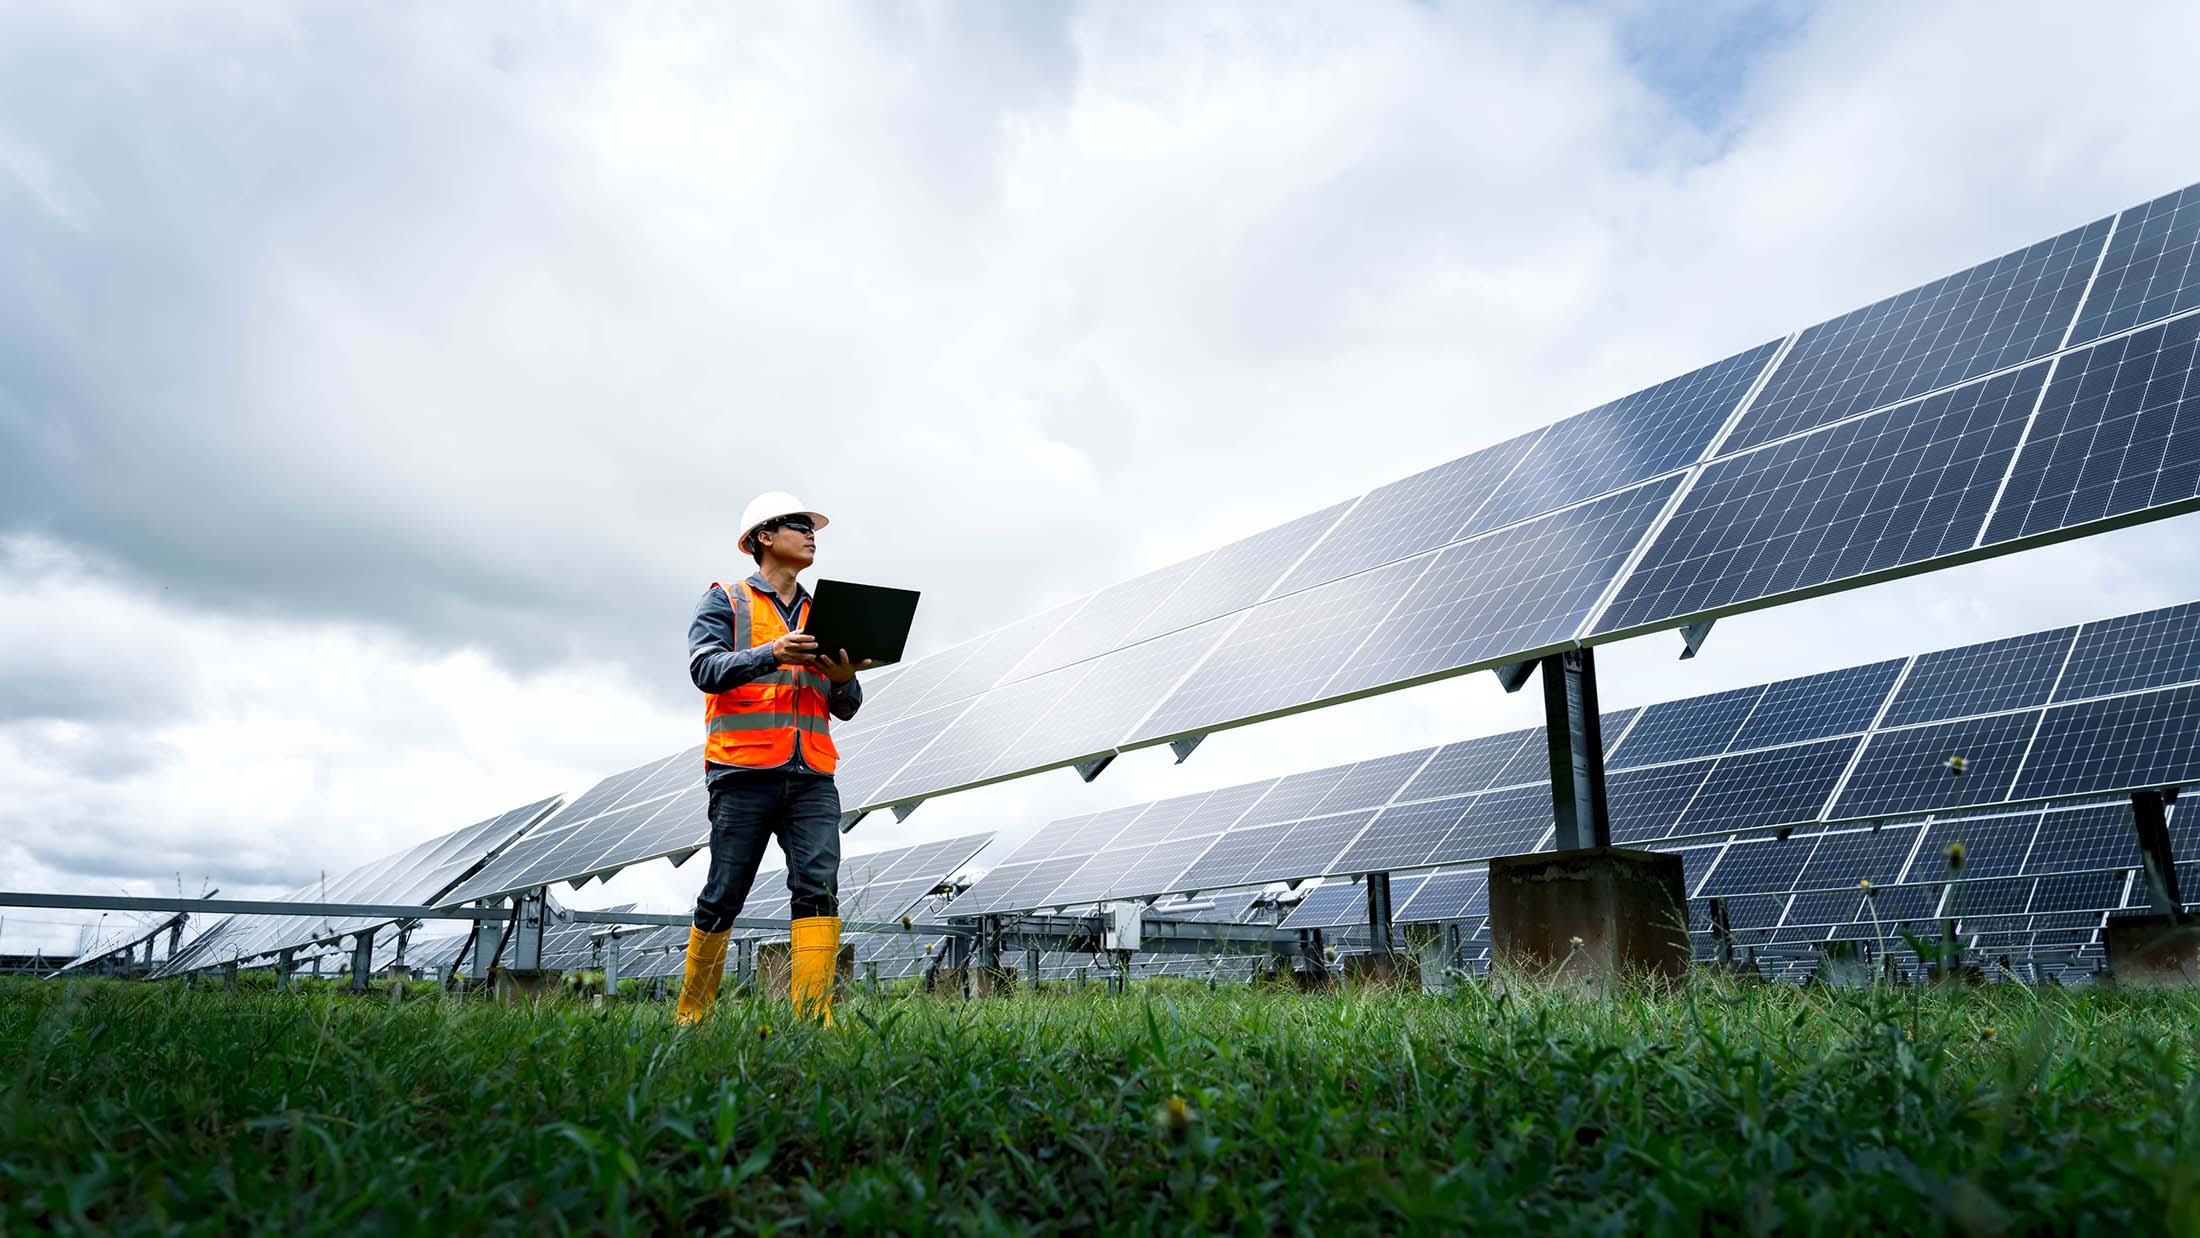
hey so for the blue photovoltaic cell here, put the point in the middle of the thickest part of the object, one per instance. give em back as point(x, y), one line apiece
point(1833, 703)
point(1410, 515)
point(1281, 655)
point(1628, 440)
point(1310, 846)
point(1238, 575)
point(1233, 856)
point(866, 765)
point(1645, 803)
point(2079, 892)
point(1111, 695)
point(1373, 783)
point(1992, 847)
point(1331, 904)
point(1695, 727)
point(1907, 771)
point(2153, 649)
point(1498, 823)
point(1470, 765)
point(2148, 740)
point(1896, 488)
point(1981, 679)
point(1521, 589)
point(963, 753)
point(1450, 894)
point(1293, 796)
point(1759, 867)
point(2076, 839)
point(1994, 315)
point(2150, 271)
point(1777, 786)
point(1401, 837)
point(2118, 433)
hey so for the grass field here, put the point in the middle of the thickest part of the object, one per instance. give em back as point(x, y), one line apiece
point(1173, 1109)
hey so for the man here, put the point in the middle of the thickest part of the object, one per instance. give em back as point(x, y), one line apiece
point(769, 755)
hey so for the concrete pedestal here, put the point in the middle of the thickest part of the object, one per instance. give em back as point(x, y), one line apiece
point(1598, 914)
point(1382, 971)
point(1283, 974)
point(772, 964)
point(525, 986)
point(2152, 951)
point(974, 982)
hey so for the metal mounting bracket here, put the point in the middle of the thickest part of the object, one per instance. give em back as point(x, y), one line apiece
point(1692, 637)
point(848, 820)
point(1514, 675)
point(681, 857)
point(902, 811)
point(1185, 747)
point(1089, 770)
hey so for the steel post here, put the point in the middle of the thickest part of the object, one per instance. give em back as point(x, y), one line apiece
point(362, 961)
point(2150, 827)
point(1378, 914)
point(1576, 740)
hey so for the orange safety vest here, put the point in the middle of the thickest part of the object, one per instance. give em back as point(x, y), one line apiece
point(758, 724)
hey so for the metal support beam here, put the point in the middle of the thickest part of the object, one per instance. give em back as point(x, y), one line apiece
point(1692, 637)
point(488, 943)
point(1378, 914)
point(1031, 965)
point(362, 960)
point(611, 967)
point(284, 962)
point(1514, 675)
point(1722, 932)
point(530, 908)
point(1576, 740)
point(2150, 826)
point(1089, 770)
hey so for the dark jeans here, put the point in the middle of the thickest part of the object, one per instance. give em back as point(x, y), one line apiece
point(747, 811)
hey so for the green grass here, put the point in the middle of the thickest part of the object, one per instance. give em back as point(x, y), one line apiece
point(156, 1107)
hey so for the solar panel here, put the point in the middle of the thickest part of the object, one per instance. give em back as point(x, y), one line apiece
point(1330, 905)
point(1309, 847)
point(1906, 771)
point(2095, 836)
point(1470, 765)
point(1844, 503)
point(2000, 313)
point(1772, 786)
point(411, 877)
point(1647, 803)
point(1241, 573)
point(1630, 439)
point(1498, 823)
point(1373, 783)
point(1411, 515)
point(2153, 649)
point(1525, 588)
point(2151, 739)
point(1401, 837)
point(2117, 433)
point(1815, 706)
point(1981, 679)
point(1694, 727)
point(1448, 894)
point(2149, 271)
point(1122, 688)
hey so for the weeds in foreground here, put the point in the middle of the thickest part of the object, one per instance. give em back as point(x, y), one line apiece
point(1714, 1106)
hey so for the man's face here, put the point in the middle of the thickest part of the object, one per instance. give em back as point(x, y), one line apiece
point(790, 545)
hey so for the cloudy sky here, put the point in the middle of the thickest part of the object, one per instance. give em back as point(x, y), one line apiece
point(379, 385)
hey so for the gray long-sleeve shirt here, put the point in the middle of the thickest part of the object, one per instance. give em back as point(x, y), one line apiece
point(716, 666)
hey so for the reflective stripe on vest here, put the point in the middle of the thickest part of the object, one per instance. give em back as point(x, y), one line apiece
point(764, 722)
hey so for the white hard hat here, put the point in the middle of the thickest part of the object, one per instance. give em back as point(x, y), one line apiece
point(771, 505)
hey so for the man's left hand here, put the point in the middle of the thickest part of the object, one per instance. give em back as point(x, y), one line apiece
point(841, 670)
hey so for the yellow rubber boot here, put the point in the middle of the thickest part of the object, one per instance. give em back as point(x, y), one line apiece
point(706, 965)
point(815, 958)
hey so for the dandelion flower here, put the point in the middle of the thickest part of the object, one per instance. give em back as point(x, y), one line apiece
point(763, 1031)
point(1577, 943)
point(1173, 1120)
point(1955, 856)
point(1956, 764)
point(1865, 885)
point(1987, 1033)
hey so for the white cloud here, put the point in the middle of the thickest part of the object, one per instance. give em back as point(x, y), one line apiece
point(376, 387)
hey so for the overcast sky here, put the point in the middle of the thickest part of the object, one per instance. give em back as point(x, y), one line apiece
point(380, 384)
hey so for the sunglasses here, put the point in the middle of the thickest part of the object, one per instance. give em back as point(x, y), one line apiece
point(795, 523)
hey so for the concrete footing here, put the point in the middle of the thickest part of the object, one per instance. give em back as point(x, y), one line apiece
point(525, 986)
point(2149, 950)
point(1284, 973)
point(1597, 914)
point(1382, 971)
point(974, 982)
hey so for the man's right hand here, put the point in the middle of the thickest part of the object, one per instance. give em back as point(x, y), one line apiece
point(797, 649)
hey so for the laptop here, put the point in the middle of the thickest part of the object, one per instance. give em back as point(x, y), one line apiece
point(869, 621)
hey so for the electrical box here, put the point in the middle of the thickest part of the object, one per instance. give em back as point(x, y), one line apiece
point(1121, 925)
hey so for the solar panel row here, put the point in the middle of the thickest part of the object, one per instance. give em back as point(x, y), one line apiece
point(1683, 771)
